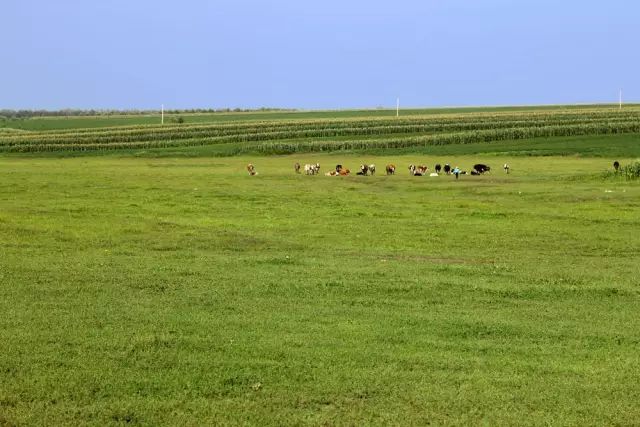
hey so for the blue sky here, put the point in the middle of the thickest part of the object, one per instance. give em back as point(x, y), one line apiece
point(316, 54)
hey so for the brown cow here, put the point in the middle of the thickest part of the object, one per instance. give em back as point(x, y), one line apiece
point(391, 169)
point(251, 169)
point(417, 170)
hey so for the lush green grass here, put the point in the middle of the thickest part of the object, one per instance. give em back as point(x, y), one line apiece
point(182, 291)
point(53, 123)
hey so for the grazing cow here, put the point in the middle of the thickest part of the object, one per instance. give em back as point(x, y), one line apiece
point(506, 167)
point(372, 169)
point(251, 169)
point(481, 168)
point(616, 165)
point(438, 168)
point(391, 169)
point(310, 169)
point(417, 170)
point(447, 168)
point(363, 170)
point(297, 167)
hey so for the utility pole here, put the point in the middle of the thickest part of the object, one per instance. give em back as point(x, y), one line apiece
point(162, 114)
point(621, 99)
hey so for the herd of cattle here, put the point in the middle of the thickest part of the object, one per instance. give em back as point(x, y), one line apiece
point(414, 170)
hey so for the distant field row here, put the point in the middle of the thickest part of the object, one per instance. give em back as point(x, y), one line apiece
point(289, 136)
point(52, 123)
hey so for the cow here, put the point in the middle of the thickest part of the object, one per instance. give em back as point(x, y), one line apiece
point(438, 168)
point(391, 169)
point(296, 166)
point(506, 168)
point(338, 168)
point(251, 169)
point(344, 172)
point(447, 168)
point(616, 165)
point(363, 170)
point(310, 169)
point(417, 170)
point(372, 169)
point(332, 173)
point(481, 168)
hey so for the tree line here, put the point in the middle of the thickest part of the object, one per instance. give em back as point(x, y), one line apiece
point(24, 114)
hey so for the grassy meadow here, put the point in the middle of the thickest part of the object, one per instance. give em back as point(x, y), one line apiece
point(168, 287)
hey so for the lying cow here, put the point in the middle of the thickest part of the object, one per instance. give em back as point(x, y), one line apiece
point(251, 169)
point(391, 169)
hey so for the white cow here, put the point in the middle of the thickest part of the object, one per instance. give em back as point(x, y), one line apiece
point(310, 169)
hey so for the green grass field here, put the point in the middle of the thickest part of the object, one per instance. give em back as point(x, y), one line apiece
point(168, 287)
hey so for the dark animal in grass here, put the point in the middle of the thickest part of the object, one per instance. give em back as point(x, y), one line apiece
point(616, 165)
point(475, 172)
point(481, 168)
point(438, 168)
point(447, 169)
point(251, 169)
point(297, 167)
point(338, 168)
point(391, 169)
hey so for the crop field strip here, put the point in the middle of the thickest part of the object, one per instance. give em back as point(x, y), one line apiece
point(244, 127)
point(353, 122)
point(266, 137)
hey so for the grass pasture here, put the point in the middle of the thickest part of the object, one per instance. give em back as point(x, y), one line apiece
point(138, 289)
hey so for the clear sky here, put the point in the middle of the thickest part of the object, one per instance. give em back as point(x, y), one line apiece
point(325, 54)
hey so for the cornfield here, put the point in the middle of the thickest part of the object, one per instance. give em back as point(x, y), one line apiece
point(290, 136)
